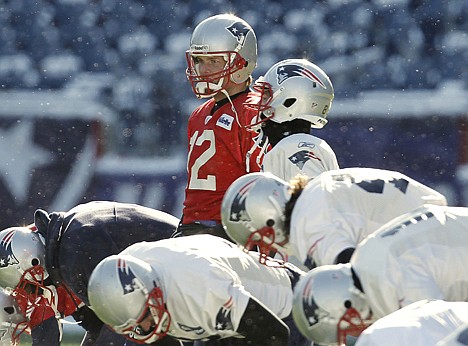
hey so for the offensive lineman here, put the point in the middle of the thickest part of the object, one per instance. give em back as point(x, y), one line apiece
point(419, 255)
point(221, 58)
point(57, 258)
point(296, 95)
point(319, 221)
point(199, 287)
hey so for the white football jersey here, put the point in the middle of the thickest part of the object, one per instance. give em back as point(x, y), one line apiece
point(299, 154)
point(207, 282)
point(459, 337)
point(420, 255)
point(420, 324)
point(339, 208)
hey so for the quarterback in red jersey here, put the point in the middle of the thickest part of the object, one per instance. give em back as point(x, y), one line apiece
point(221, 147)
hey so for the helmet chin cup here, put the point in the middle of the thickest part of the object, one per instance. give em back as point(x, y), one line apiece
point(207, 89)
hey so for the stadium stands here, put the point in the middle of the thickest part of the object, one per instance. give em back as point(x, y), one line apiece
point(363, 45)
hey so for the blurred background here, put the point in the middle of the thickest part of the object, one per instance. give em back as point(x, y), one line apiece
point(94, 100)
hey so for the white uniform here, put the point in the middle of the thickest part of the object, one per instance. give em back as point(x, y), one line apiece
point(299, 154)
point(207, 282)
point(459, 337)
point(423, 323)
point(339, 208)
point(420, 255)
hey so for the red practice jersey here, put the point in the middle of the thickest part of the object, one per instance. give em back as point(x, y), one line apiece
point(220, 150)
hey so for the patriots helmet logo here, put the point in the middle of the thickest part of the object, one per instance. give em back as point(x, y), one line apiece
point(284, 72)
point(238, 209)
point(239, 31)
point(311, 309)
point(127, 278)
point(301, 157)
point(7, 257)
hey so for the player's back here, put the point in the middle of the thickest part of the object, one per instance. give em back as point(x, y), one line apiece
point(377, 195)
point(186, 260)
point(419, 255)
point(339, 208)
point(300, 153)
point(419, 324)
point(79, 239)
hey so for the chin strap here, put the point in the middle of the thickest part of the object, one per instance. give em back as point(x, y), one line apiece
point(258, 139)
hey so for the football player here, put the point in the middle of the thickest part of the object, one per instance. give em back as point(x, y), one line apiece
point(48, 266)
point(418, 255)
point(198, 287)
point(221, 58)
point(318, 221)
point(296, 95)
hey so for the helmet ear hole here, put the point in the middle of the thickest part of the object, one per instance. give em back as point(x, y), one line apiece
point(348, 304)
point(289, 102)
point(9, 310)
point(35, 262)
point(270, 222)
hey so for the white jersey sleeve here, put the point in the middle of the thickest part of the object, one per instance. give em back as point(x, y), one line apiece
point(208, 282)
point(300, 154)
point(339, 208)
point(420, 255)
point(419, 324)
point(459, 337)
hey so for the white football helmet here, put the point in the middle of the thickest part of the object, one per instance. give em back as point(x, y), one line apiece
point(10, 320)
point(327, 306)
point(123, 291)
point(294, 89)
point(253, 212)
point(22, 257)
point(222, 35)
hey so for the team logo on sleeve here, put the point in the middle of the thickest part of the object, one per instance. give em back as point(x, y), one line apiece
point(223, 318)
point(301, 157)
point(126, 277)
point(6, 253)
point(239, 31)
point(238, 210)
point(284, 72)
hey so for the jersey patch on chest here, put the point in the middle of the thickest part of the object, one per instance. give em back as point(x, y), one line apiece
point(225, 121)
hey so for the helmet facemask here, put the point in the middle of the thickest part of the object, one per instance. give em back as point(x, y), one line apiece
point(155, 307)
point(350, 324)
point(263, 108)
point(33, 295)
point(207, 85)
point(264, 240)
